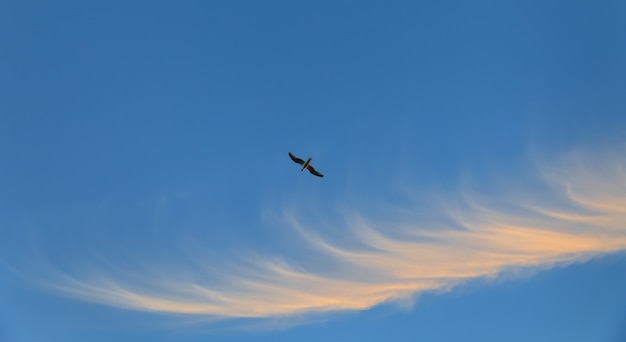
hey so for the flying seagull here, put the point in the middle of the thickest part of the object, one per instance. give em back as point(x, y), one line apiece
point(305, 165)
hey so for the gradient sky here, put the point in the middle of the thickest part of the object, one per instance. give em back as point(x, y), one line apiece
point(473, 152)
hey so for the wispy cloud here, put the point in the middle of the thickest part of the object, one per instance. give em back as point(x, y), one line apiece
point(579, 210)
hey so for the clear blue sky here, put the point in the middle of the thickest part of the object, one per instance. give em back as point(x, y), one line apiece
point(473, 152)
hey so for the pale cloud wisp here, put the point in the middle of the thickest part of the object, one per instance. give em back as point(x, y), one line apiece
point(578, 212)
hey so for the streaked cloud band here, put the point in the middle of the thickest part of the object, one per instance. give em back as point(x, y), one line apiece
point(578, 211)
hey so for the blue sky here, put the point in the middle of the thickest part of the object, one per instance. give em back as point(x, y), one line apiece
point(473, 154)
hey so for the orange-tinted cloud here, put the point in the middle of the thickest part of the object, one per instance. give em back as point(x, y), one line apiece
point(580, 212)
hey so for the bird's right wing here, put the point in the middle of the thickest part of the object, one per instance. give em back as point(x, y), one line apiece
point(296, 159)
point(313, 171)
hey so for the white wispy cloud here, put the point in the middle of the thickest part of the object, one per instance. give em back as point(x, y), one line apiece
point(578, 211)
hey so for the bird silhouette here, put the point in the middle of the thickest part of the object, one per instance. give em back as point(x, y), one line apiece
point(305, 165)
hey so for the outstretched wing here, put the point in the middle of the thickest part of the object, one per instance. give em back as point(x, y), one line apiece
point(313, 171)
point(296, 159)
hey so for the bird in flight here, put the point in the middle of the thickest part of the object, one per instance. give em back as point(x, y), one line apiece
point(305, 165)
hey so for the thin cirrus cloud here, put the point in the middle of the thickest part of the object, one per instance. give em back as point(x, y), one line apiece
point(578, 210)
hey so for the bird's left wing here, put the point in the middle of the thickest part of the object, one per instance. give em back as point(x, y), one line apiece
point(296, 159)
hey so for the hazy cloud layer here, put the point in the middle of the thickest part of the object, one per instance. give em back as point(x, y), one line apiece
point(575, 208)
